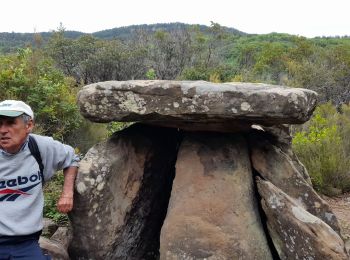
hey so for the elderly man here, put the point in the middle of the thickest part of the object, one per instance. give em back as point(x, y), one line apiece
point(26, 161)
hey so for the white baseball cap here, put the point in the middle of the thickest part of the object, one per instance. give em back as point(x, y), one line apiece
point(14, 108)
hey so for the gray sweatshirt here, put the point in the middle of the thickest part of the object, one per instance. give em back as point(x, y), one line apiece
point(21, 195)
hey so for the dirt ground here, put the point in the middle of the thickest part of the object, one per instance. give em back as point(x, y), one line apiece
point(341, 208)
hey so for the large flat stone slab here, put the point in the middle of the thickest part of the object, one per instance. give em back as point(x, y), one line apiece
point(197, 104)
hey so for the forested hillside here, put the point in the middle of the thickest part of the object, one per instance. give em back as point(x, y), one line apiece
point(125, 33)
point(49, 68)
point(9, 42)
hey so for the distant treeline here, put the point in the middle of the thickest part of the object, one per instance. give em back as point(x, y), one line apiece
point(195, 52)
point(10, 42)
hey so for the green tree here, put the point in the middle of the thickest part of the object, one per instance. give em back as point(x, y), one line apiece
point(270, 65)
point(62, 50)
point(31, 77)
point(170, 53)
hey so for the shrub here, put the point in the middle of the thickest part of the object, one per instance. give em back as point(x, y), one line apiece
point(32, 77)
point(113, 127)
point(52, 191)
point(321, 145)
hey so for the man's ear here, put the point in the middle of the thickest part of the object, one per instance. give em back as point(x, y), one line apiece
point(30, 126)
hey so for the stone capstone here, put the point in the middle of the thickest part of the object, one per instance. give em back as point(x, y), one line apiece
point(195, 104)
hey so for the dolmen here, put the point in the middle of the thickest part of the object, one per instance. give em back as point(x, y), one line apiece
point(205, 171)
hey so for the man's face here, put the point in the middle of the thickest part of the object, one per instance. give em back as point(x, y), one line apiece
point(13, 133)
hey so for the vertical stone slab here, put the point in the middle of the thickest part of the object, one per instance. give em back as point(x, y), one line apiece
point(280, 168)
point(296, 233)
point(213, 213)
point(123, 188)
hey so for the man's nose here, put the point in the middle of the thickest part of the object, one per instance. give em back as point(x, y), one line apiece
point(3, 128)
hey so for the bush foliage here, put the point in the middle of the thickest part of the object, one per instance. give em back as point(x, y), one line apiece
point(52, 193)
point(32, 77)
point(322, 145)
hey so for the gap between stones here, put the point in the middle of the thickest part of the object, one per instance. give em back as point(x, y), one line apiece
point(152, 202)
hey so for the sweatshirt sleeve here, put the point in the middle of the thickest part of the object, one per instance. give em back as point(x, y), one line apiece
point(55, 155)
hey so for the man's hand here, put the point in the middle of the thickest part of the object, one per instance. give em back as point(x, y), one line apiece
point(65, 204)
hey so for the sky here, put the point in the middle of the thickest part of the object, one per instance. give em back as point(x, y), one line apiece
point(309, 18)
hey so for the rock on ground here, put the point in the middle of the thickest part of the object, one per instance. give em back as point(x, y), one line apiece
point(55, 249)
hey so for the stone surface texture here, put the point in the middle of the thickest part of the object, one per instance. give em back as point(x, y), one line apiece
point(55, 249)
point(63, 235)
point(296, 233)
point(49, 228)
point(123, 188)
point(213, 213)
point(172, 102)
point(277, 167)
point(281, 137)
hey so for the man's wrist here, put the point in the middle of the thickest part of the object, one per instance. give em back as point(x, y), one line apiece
point(67, 196)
